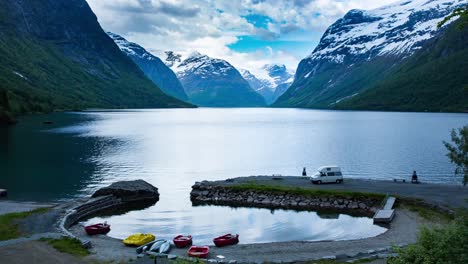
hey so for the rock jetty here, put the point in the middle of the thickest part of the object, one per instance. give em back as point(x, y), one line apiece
point(209, 193)
point(123, 195)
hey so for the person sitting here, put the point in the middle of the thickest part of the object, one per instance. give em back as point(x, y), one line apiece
point(414, 178)
point(304, 173)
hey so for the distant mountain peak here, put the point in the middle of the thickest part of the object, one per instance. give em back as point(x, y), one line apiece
point(271, 81)
point(152, 66)
point(214, 82)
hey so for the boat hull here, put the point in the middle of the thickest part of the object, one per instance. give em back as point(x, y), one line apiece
point(198, 252)
point(181, 241)
point(226, 240)
point(139, 239)
point(97, 229)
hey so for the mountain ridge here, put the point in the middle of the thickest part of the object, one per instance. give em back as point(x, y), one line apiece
point(55, 56)
point(362, 48)
point(152, 66)
point(212, 82)
point(415, 85)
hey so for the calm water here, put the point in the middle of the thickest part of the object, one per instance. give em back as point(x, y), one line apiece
point(174, 148)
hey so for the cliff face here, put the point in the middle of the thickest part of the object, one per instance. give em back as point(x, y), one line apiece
point(55, 55)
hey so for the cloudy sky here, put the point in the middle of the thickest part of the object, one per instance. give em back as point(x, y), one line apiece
point(247, 33)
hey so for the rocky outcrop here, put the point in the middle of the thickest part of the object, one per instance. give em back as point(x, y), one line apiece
point(122, 196)
point(227, 195)
point(130, 191)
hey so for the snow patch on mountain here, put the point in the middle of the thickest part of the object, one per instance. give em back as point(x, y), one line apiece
point(130, 48)
point(397, 29)
point(271, 81)
point(202, 65)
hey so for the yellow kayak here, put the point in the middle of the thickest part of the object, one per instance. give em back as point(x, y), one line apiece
point(138, 239)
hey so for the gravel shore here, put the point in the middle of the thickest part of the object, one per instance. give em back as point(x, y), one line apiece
point(403, 231)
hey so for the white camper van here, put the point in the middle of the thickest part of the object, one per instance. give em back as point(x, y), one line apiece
point(326, 174)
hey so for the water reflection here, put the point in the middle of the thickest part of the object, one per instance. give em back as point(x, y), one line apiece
point(173, 148)
point(38, 165)
point(253, 224)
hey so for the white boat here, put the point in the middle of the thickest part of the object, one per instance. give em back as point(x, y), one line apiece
point(165, 247)
point(157, 245)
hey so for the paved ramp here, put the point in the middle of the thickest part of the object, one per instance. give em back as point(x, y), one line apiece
point(386, 214)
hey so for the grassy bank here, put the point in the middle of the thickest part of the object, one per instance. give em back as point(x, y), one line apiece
point(67, 245)
point(253, 186)
point(9, 227)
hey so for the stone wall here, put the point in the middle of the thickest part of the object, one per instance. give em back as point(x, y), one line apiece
point(224, 195)
point(124, 194)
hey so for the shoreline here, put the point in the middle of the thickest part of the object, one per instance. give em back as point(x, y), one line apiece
point(402, 231)
point(10, 119)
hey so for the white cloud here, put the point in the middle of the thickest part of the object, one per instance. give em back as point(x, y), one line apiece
point(209, 26)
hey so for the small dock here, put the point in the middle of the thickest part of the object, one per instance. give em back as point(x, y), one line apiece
point(386, 215)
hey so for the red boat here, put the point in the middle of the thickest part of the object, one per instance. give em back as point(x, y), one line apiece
point(226, 240)
point(97, 229)
point(181, 241)
point(198, 252)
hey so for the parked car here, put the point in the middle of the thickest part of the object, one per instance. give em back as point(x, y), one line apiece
point(327, 174)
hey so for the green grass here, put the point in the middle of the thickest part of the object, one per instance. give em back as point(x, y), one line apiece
point(252, 186)
point(67, 245)
point(427, 213)
point(9, 228)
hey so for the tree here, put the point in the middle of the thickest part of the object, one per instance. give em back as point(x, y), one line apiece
point(444, 244)
point(458, 152)
point(462, 12)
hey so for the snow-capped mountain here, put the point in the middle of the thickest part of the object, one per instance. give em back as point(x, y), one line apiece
point(152, 66)
point(212, 82)
point(271, 81)
point(397, 29)
point(363, 47)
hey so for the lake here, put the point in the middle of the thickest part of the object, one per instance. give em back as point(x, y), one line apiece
point(173, 148)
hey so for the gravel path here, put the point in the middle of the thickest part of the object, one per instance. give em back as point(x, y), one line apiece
point(7, 206)
point(454, 196)
point(37, 253)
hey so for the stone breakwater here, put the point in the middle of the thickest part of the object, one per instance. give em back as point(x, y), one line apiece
point(119, 195)
point(206, 193)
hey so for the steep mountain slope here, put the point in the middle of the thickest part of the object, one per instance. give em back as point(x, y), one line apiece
point(271, 82)
point(54, 55)
point(433, 79)
point(152, 66)
point(213, 82)
point(362, 48)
